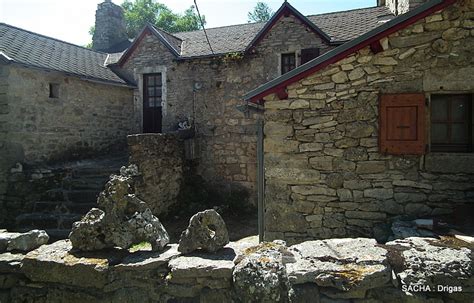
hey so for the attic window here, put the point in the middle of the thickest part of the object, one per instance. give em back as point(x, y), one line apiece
point(54, 90)
point(288, 62)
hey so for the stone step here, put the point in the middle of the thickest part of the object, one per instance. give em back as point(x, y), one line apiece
point(82, 196)
point(95, 183)
point(47, 220)
point(62, 207)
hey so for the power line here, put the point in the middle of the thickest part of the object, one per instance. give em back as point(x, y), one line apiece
point(203, 28)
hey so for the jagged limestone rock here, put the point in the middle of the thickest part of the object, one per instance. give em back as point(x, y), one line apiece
point(206, 231)
point(13, 241)
point(260, 274)
point(122, 220)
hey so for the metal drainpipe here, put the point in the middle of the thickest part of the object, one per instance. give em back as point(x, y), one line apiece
point(260, 180)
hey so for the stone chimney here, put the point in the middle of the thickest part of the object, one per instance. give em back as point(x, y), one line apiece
point(110, 29)
point(398, 7)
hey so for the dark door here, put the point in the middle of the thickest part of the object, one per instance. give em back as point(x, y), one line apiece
point(152, 96)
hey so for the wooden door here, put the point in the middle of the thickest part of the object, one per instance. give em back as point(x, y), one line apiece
point(152, 97)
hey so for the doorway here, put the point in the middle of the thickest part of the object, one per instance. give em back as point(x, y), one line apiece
point(152, 103)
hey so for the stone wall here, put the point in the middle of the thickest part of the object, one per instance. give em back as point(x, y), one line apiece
point(338, 270)
point(225, 138)
point(325, 176)
point(87, 119)
point(160, 161)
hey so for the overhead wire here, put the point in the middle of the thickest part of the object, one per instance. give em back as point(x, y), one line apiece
point(202, 25)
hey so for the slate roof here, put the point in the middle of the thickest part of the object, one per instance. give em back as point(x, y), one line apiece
point(340, 26)
point(31, 49)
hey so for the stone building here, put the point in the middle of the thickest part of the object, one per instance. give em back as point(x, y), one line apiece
point(163, 80)
point(204, 85)
point(377, 128)
point(58, 102)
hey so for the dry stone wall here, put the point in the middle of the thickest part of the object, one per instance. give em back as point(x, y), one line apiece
point(336, 270)
point(160, 161)
point(225, 138)
point(325, 176)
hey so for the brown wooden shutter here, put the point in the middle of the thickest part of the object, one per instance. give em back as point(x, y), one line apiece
point(309, 54)
point(402, 124)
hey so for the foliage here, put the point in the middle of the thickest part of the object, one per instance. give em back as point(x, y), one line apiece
point(140, 12)
point(234, 56)
point(261, 13)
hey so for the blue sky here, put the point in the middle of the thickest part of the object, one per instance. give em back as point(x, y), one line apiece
point(70, 20)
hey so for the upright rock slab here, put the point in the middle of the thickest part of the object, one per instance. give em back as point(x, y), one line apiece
point(122, 220)
point(260, 275)
point(206, 231)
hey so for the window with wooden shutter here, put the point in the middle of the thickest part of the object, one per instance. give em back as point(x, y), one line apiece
point(309, 54)
point(402, 124)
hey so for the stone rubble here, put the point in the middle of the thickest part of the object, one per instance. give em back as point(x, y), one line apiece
point(206, 231)
point(25, 242)
point(122, 220)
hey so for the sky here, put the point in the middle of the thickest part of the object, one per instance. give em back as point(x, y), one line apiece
point(70, 20)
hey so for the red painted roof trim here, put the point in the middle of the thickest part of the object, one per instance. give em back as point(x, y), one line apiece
point(339, 56)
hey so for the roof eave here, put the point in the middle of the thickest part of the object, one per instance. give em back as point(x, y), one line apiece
point(346, 49)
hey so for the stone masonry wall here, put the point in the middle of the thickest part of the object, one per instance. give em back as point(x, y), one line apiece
point(324, 174)
point(225, 138)
point(336, 270)
point(160, 161)
point(86, 119)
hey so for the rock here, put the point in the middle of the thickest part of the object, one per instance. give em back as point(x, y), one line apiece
point(423, 261)
point(122, 220)
point(24, 242)
point(260, 274)
point(206, 231)
point(303, 293)
point(379, 193)
point(407, 229)
point(55, 263)
point(340, 77)
point(335, 180)
point(344, 264)
point(385, 61)
point(10, 263)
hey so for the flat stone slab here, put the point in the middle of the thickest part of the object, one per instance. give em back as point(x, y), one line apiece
point(428, 261)
point(148, 260)
point(56, 263)
point(204, 265)
point(344, 264)
point(10, 263)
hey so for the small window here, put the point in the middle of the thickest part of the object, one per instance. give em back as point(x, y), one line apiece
point(54, 90)
point(288, 62)
point(309, 54)
point(451, 123)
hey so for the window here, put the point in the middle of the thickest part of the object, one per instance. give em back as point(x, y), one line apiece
point(152, 90)
point(54, 90)
point(451, 123)
point(288, 62)
point(402, 124)
point(309, 54)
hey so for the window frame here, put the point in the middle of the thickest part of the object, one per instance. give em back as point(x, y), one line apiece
point(283, 64)
point(156, 87)
point(450, 147)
